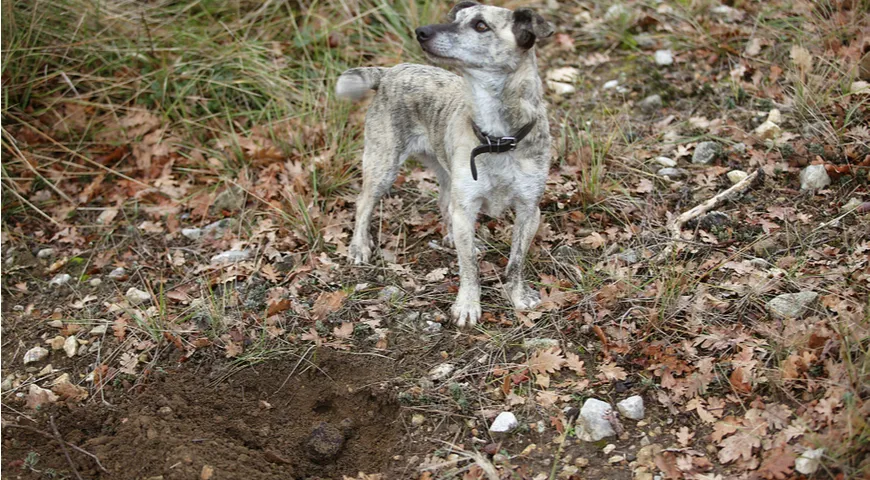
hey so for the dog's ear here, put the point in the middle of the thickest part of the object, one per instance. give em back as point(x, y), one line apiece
point(530, 27)
point(459, 6)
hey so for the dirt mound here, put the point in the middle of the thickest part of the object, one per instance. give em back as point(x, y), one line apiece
point(259, 424)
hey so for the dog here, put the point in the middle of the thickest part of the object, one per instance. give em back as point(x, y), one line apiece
point(484, 132)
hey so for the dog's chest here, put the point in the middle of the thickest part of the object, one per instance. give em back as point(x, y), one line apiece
point(505, 182)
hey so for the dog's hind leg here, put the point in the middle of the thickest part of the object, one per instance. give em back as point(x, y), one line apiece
point(525, 227)
point(380, 166)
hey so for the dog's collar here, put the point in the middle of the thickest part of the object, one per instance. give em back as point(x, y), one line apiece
point(490, 144)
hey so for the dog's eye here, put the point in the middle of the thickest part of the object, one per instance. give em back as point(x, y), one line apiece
point(481, 26)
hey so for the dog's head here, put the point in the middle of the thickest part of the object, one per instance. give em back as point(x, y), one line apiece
point(482, 37)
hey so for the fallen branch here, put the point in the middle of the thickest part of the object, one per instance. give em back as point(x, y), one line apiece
point(675, 226)
point(54, 437)
point(62, 443)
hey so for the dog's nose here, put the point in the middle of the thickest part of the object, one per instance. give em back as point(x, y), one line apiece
point(425, 33)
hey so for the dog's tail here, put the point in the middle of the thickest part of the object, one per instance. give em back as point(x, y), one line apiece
point(354, 83)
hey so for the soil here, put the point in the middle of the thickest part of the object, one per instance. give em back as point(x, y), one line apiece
point(257, 424)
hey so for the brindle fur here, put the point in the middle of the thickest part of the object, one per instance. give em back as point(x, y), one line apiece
point(426, 112)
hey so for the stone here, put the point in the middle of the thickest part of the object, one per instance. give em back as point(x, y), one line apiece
point(706, 153)
point(164, 411)
point(136, 297)
point(673, 173)
point(539, 343)
point(608, 449)
point(60, 279)
point(8, 383)
point(45, 253)
point(852, 204)
point(814, 177)
point(192, 233)
point(737, 176)
point(629, 256)
point(418, 419)
point(615, 12)
point(70, 346)
point(118, 274)
point(792, 305)
point(561, 88)
point(230, 257)
point(95, 282)
point(809, 461)
point(665, 162)
point(766, 246)
point(503, 423)
point(664, 57)
point(564, 74)
point(651, 104)
point(631, 407)
point(326, 440)
point(390, 293)
point(440, 372)
point(592, 424)
point(432, 327)
point(99, 330)
point(35, 354)
point(768, 130)
point(56, 343)
point(610, 84)
point(231, 199)
point(726, 13)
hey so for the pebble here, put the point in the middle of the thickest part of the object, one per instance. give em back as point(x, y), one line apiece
point(35, 354)
point(615, 459)
point(852, 204)
point(99, 330)
point(564, 74)
point(432, 327)
point(792, 305)
point(631, 407)
point(60, 279)
point(136, 297)
point(765, 246)
point(814, 177)
point(390, 293)
point(70, 346)
point(230, 257)
point(504, 422)
point(768, 130)
point(192, 233)
point(609, 448)
point(610, 84)
point(651, 104)
point(630, 256)
point(56, 343)
point(45, 253)
point(736, 176)
point(418, 419)
point(327, 440)
point(591, 425)
point(118, 274)
point(665, 162)
point(705, 153)
point(440, 372)
point(95, 282)
point(560, 88)
point(673, 173)
point(664, 57)
point(808, 462)
point(8, 383)
point(539, 343)
point(231, 199)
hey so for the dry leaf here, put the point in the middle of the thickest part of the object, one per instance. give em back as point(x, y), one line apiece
point(572, 361)
point(436, 275)
point(802, 58)
point(547, 361)
point(328, 302)
point(343, 331)
point(610, 371)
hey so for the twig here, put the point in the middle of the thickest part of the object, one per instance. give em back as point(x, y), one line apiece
point(676, 225)
point(62, 443)
point(53, 437)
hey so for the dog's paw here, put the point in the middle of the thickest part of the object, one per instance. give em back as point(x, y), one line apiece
point(525, 298)
point(466, 312)
point(359, 255)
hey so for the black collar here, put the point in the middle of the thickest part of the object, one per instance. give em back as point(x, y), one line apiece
point(489, 144)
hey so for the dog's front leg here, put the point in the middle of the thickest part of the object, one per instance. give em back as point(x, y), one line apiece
point(466, 309)
point(525, 227)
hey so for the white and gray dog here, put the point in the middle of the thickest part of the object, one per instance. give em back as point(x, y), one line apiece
point(485, 134)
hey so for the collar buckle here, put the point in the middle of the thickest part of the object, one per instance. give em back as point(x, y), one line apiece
point(510, 141)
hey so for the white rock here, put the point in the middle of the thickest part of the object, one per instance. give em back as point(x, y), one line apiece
point(440, 372)
point(70, 346)
point(814, 177)
point(651, 104)
point(539, 343)
point(230, 256)
point(631, 407)
point(664, 57)
point(610, 84)
point(859, 87)
point(609, 448)
point(737, 176)
point(45, 253)
point(774, 116)
point(727, 13)
point(99, 330)
point(705, 153)
point(118, 273)
point(35, 354)
point(95, 282)
point(504, 422)
point(808, 462)
point(135, 296)
point(665, 162)
point(673, 173)
point(8, 382)
point(852, 204)
point(592, 425)
point(616, 11)
point(560, 88)
point(60, 279)
point(192, 233)
point(768, 130)
point(418, 419)
point(390, 293)
point(792, 305)
point(565, 74)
